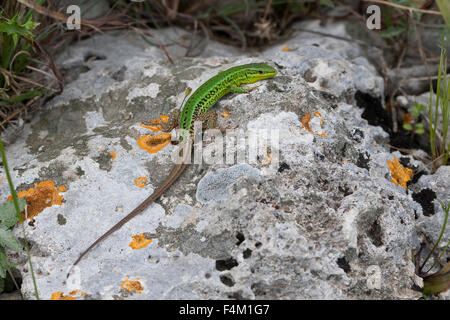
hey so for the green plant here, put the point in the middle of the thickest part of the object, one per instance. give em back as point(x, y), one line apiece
point(8, 219)
point(415, 126)
point(439, 281)
point(8, 237)
point(397, 26)
point(16, 44)
point(13, 43)
point(440, 113)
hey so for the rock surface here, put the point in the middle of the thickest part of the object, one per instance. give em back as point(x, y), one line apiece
point(324, 222)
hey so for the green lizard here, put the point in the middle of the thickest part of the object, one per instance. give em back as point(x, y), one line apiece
point(196, 109)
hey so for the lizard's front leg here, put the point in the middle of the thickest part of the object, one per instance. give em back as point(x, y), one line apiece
point(172, 121)
point(238, 89)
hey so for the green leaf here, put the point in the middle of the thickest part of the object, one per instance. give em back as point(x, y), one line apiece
point(13, 28)
point(8, 214)
point(420, 106)
point(419, 131)
point(24, 96)
point(3, 263)
point(437, 282)
point(407, 126)
point(8, 239)
point(417, 109)
point(392, 32)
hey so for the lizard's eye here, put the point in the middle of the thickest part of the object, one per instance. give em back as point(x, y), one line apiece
point(260, 71)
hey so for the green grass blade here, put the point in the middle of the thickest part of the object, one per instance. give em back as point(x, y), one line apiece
point(444, 225)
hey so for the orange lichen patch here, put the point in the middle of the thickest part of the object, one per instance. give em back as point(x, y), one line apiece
point(153, 144)
point(305, 122)
point(60, 296)
point(113, 155)
point(164, 118)
point(76, 292)
point(286, 48)
point(400, 175)
point(225, 114)
point(43, 195)
point(407, 118)
point(140, 182)
point(155, 125)
point(267, 159)
point(132, 286)
point(139, 241)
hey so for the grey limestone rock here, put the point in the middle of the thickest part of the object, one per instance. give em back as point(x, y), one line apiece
point(324, 222)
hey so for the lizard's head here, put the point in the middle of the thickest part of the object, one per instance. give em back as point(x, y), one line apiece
point(258, 71)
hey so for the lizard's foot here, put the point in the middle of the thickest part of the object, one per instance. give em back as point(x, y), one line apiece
point(172, 121)
point(208, 119)
point(251, 89)
point(237, 89)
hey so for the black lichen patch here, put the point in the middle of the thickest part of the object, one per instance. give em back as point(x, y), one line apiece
point(376, 115)
point(363, 160)
point(343, 264)
point(227, 264)
point(227, 280)
point(415, 178)
point(247, 253)
point(61, 220)
point(373, 112)
point(375, 234)
point(357, 135)
point(240, 238)
point(283, 166)
point(346, 190)
point(405, 161)
point(80, 172)
point(425, 198)
point(104, 160)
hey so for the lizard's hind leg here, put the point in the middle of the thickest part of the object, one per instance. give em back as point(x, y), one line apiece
point(209, 120)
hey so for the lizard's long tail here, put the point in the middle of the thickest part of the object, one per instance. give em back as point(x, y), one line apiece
point(173, 176)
